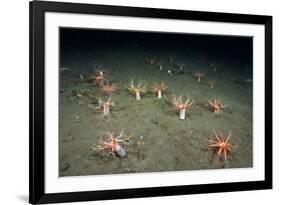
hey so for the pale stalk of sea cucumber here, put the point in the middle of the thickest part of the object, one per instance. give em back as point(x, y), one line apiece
point(81, 76)
point(159, 94)
point(105, 109)
point(138, 95)
point(120, 151)
point(182, 114)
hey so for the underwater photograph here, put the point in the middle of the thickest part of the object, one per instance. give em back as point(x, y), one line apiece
point(142, 101)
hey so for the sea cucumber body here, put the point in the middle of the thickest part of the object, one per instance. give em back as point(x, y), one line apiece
point(182, 114)
point(159, 94)
point(120, 151)
point(105, 109)
point(138, 96)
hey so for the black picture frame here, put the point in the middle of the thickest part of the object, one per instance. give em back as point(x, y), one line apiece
point(37, 194)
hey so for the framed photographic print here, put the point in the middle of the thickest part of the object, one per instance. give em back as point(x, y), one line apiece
point(140, 102)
